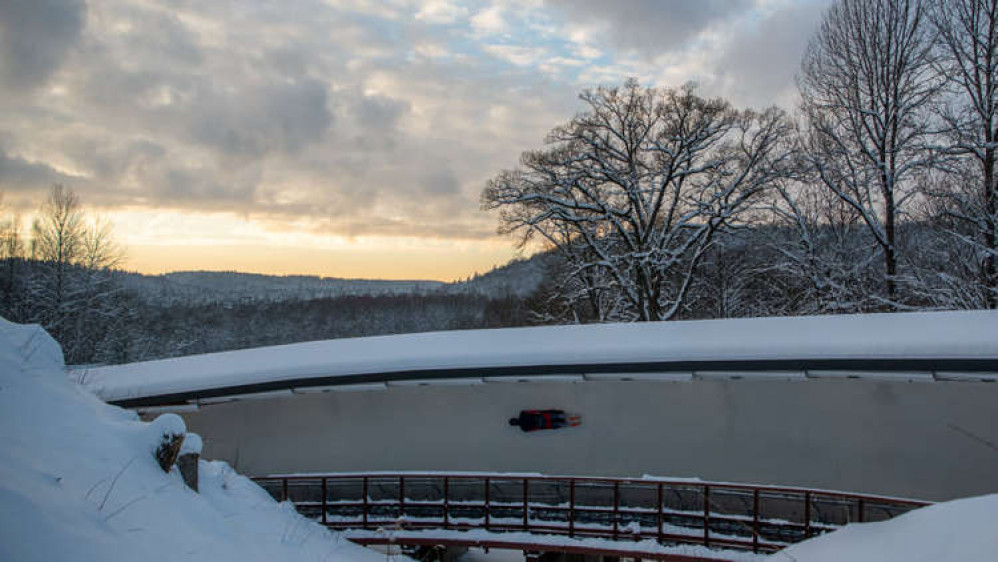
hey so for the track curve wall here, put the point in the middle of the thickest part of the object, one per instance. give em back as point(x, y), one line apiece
point(896, 404)
point(928, 440)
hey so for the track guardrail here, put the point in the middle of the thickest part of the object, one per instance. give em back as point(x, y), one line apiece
point(670, 512)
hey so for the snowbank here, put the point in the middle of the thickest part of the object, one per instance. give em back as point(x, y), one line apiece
point(932, 335)
point(78, 482)
point(28, 348)
point(957, 530)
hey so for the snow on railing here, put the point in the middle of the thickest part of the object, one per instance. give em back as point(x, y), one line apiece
point(668, 512)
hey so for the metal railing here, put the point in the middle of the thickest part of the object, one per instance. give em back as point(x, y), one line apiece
point(671, 512)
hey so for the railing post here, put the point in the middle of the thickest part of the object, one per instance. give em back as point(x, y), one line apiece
point(659, 515)
point(706, 515)
point(401, 496)
point(862, 514)
point(571, 507)
point(365, 508)
point(807, 515)
point(616, 509)
point(284, 489)
point(755, 521)
point(446, 502)
point(488, 504)
point(324, 500)
point(526, 504)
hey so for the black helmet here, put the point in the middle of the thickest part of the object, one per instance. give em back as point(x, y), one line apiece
point(514, 421)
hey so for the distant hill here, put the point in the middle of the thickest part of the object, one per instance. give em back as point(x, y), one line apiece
point(518, 278)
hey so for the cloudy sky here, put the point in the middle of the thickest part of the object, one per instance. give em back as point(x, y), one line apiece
point(337, 137)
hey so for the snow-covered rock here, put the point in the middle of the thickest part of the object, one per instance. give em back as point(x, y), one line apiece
point(78, 481)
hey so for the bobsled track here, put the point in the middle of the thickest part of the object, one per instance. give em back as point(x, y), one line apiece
point(899, 405)
point(896, 404)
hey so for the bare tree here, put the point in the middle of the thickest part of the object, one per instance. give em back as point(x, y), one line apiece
point(822, 249)
point(632, 190)
point(57, 236)
point(11, 258)
point(71, 288)
point(867, 84)
point(11, 244)
point(967, 45)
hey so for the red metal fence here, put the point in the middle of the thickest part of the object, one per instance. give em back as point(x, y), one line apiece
point(712, 514)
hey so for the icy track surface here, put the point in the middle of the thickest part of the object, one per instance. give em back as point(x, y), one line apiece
point(78, 482)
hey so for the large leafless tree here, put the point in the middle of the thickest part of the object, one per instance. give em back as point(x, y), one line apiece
point(632, 190)
point(867, 84)
point(966, 33)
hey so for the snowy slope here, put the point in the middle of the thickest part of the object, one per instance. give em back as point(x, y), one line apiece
point(933, 335)
point(78, 482)
point(957, 530)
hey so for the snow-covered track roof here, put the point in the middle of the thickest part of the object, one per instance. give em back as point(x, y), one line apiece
point(912, 346)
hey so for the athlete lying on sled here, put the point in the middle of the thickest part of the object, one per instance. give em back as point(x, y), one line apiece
point(533, 420)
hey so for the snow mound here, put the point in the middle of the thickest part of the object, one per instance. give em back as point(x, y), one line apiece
point(78, 481)
point(28, 348)
point(957, 530)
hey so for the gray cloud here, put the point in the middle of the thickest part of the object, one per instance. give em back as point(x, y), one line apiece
point(651, 25)
point(155, 35)
point(758, 66)
point(440, 181)
point(34, 38)
point(112, 163)
point(20, 175)
point(205, 188)
point(378, 112)
point(272, 116)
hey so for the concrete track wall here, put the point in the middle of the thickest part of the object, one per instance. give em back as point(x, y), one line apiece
point(927, 440)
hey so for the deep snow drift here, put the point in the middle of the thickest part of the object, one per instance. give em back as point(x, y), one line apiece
point(78, 482)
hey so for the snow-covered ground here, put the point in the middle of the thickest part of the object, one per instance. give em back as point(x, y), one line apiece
point(78, 482)
point(961, 530)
